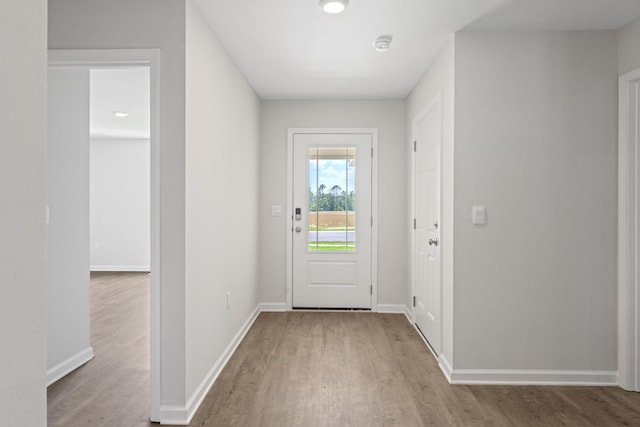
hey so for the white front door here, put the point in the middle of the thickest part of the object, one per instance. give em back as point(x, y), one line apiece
point(331, 230)
point(427, 289)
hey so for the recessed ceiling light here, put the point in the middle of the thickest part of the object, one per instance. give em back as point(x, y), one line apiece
point(383, 43)
point(334, 6)
point(120, 114)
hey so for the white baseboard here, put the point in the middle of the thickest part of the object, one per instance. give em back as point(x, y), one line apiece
point(395, 308)
point(174, 415)
point(67, 366)
point(182, 415)
point(391, 308)
point(137, 268)
point(273, 306)
point(408, 314)
point(532, 377)
point(445, 367)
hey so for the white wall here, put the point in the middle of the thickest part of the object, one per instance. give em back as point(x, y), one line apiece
point(628, 47)
point(76, 24)
point(388, 117)
point(535, 142)
point(437, 81)
point(23, 112)
point(120, 204)
point(223, 119)
point(68, 333)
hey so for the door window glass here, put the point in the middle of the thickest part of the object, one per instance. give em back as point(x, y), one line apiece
point(332, 193)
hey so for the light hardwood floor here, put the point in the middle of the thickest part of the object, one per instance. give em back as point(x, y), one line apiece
point(113, 388)
point(365, 369)
point(311, 369)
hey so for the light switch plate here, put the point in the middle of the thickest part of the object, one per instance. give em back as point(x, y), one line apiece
point(276, 210)
point(478, 215)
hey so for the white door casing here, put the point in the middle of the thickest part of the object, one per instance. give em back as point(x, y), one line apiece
point(427, 131)
point(628, 232)
point(323, 273)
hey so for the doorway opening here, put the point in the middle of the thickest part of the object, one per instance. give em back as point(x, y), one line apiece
point(106, 147)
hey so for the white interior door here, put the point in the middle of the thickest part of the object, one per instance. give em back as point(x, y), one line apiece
point(68, 292)
point(331, 230)
point(427, 289)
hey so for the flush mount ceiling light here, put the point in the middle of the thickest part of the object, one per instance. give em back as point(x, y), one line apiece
point(383, 43)
point(120, 114)
point(334, 6)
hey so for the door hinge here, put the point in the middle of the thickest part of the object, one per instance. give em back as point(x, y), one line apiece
point(414, 301)
point(414, 223)
point(371, 151)
point(371, 290)
point(415, 146)
point(372, 221)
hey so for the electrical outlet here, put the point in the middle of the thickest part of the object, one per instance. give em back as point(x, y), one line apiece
point(228, 300)
point(96, 245)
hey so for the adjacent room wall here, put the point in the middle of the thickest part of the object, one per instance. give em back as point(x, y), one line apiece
point(68, 318)
point(388, 117)
point(628, 47)
point(437, 81)
point(223, 131)
point(535, 130)
point(120, 24)
point(23, 118)
point(120, 204)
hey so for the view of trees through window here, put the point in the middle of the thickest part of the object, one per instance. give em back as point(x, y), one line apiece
point(336, 199)
point(332, 199)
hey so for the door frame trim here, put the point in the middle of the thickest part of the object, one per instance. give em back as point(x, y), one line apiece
point(374, 205)
point(434, 103)
point(150, 58)
point(628, 245)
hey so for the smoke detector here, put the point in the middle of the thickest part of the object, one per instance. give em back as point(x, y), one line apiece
point(383, 43)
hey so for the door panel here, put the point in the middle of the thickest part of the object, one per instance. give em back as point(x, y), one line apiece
point(331, 220)
point(68, 315)
point(427, 286)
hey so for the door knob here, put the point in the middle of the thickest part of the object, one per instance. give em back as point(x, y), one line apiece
point(298, 229)
point(433, 242)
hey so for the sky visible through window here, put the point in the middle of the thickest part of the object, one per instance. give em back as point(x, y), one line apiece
point(331, 173)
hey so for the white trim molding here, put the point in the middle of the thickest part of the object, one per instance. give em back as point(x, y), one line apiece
point(97, 58)
point(133, 268)
point(69, 365)
point(533, 377)
point(628, 236)
point(273, 306)
point(445, 367)
point(392, 308)
point(182, 415)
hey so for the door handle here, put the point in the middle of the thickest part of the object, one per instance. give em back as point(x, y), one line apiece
point(433, 242)
point(298, 229)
